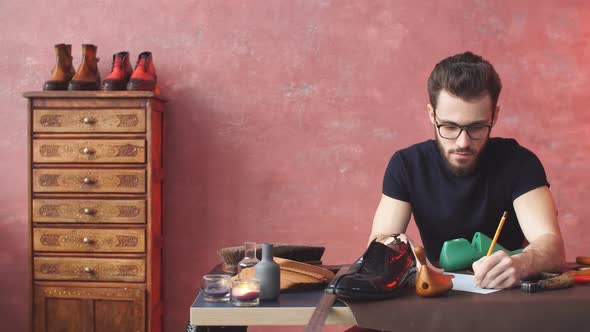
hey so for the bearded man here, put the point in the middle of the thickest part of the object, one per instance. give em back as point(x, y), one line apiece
point(462, 181)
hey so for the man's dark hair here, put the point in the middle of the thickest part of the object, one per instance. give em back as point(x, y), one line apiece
point(466, 76)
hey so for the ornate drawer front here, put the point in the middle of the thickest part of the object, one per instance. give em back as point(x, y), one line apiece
point(88, 211)
point(89, 180)
point(89, 121)
point(88, 151)
point(89, 269)
point(89, 240)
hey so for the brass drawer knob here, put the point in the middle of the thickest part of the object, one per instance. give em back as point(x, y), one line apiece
point(88, 180)
point(87, 270)
point(88, 211)
point(86, 241)
point(88, 120)
point(88, 151)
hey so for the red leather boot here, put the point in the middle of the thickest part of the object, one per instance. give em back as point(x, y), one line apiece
point(63, 71)
point(144, 76)
point(87, 76)
point(120, 73)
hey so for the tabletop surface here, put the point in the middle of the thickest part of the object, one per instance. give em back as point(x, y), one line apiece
point(505, 310)
point(455, 310)
point(566, 307)
point(290, 309)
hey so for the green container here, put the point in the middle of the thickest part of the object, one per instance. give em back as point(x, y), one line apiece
point(459, 254)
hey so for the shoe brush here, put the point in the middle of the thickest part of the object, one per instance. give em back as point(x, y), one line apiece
point(231, 256)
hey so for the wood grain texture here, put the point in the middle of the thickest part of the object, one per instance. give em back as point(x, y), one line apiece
point(67, 315)
point(294, 316)
point(96, 173)
point(88, 151)
point(78, 120)
point(89, 269)
point(89, 211)
point(88, 240)
point(78, 308)
point(112, 97)
point(89, 180)
point(155, 108)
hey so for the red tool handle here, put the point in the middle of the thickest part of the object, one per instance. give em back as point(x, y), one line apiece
point(581, 279)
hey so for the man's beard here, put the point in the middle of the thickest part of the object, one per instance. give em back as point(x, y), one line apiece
point(459, 170)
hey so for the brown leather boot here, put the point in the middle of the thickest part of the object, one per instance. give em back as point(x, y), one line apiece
point(87, 76)
point(63, 71)
point(144, 76)
point(120, 73)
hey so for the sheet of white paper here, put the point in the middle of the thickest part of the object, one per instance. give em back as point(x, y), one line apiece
point(466, 283)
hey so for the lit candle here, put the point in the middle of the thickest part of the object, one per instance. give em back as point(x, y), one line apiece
point(245, 292)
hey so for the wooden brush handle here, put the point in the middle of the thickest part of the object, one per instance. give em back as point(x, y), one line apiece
point(559, 282)
point(584, 260)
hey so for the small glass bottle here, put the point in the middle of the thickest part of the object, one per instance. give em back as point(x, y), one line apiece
point(250, 259)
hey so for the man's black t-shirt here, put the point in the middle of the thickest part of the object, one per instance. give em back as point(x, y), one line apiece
point(447, 206)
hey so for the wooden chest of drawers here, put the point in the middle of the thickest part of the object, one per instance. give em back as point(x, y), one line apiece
point(95, 210)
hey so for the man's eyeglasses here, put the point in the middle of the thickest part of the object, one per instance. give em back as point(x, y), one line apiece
point(475, 132)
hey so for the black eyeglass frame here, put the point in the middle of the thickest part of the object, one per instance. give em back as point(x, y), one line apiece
point(461, 128)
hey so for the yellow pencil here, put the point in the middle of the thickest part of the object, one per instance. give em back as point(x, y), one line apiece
point(497, 233)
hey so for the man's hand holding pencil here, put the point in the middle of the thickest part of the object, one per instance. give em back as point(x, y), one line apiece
point(499, 270)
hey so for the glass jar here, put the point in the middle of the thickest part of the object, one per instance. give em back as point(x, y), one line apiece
point(216, 287)
point(250, 259)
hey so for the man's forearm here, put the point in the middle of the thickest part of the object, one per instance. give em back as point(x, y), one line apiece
point(392, 217)
point(545, 254)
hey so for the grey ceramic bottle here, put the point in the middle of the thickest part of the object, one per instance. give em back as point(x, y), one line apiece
point(269, 274)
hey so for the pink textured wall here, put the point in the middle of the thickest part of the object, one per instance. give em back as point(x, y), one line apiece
point(283, 114)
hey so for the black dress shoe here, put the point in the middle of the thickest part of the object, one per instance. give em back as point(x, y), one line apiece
point(382, 272)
